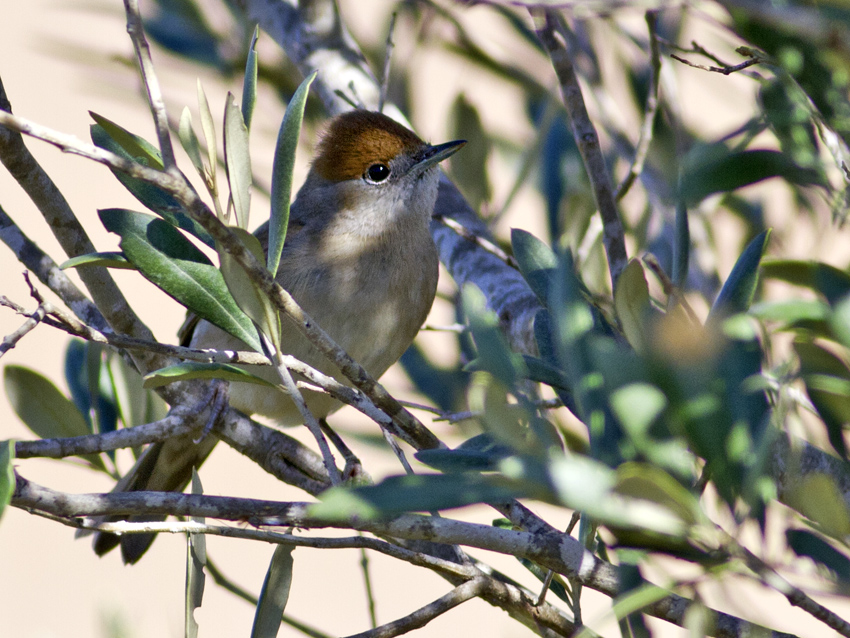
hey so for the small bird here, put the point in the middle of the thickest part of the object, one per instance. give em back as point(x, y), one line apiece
point(358, 258)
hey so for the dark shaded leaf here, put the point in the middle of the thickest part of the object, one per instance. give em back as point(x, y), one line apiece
point(413, 493)
point(740, 287)
point(718, 170)
point(480, 453)
point(805, 543)
point(832, 283)
point(827, 381)
point(274, 594)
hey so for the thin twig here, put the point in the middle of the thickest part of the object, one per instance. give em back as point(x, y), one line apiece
point(650, 109)
point(12, 339)
point(726, 69)
point(483, 242)
point(429, 612)
point(388, 54)
point(309, 419)
point(367, 580)
point(64, 224)
point(143, 54)
point(546, 25)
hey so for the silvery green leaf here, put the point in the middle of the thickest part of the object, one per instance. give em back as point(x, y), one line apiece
point(284, 163)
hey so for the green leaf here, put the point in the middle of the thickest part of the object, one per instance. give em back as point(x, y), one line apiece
point(471, 175)
point(537, 262)
point(172, 263)
point(632, 303)
point(250, 299)
point(681, 247)
point(196, 559)
point(249, 84)
point(237, 160)
point(543, 372)
point(138, 148)
point(275, 593)
point(208, 127)
point(284, 163)
point(588, 486)
point(189, 140)
point(832, 283)
point(805, 543)
point(818, 498)
point(718, 170)
point(105, 259)
point(637, 406)
point(827, 381)
point(790, 312)
point(151, 196)
point(45, 410)
point(7, 474)
point(131, 399)
point(480, 453)
point(197, 370)
point(494, 353)
point(412, 493)
point(740, 287)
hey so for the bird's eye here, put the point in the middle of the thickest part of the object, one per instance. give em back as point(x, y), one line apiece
point(377, 173)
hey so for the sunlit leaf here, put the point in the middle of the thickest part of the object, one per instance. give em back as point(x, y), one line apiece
point(632, 303)
point(284, 164)
point(176, 266)
point(197, 370)
point(817, 497)
point(274, 594)
point(237, 160)
point(196, 560)
point(7, 474)
point(250, 299)
point(249, 84)
point(189, 140)
point(537, 262)
point(105, 259)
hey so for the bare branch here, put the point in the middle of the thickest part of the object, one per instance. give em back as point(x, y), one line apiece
point(650, 109)
point(429, 612)
point(546, 25)
point(11, 340)
point(555, 551)
point(48, 272)
point(64, 224)
point(143, 55)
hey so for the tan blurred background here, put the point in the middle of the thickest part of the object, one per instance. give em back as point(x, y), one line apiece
point(52, 585)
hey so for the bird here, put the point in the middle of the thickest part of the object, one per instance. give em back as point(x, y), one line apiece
point(358, 258)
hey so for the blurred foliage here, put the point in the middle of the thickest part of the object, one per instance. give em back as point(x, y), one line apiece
point(679, 382)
